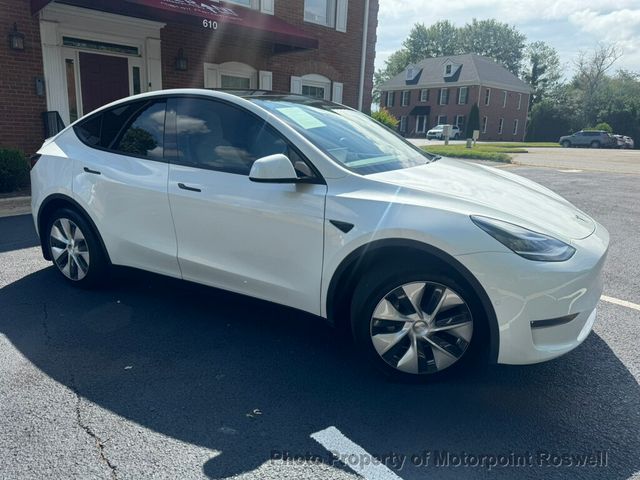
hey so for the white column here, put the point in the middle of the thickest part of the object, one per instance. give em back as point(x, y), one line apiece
point(54, 70)
point(154, 64)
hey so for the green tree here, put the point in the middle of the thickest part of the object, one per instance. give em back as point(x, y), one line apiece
point(542, 70)
point(474, 120)
point(548, 122)
point(395, 64)
point(496, 40)
point(437, 40)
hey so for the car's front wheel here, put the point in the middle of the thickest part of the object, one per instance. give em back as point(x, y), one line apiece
point(415, 325)
point(566, 144)
point(75, 248)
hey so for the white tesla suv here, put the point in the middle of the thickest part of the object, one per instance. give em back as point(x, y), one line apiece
point(430, 262)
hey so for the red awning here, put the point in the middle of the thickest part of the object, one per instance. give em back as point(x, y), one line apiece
point(212, 17)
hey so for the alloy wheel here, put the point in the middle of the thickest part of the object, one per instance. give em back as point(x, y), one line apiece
point(421, 327)
point(69, 249)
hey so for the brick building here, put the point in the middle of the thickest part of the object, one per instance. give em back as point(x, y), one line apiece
point(442, 90)
point(71, 56)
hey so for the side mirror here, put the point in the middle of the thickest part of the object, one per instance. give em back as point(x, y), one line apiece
point(273, 169)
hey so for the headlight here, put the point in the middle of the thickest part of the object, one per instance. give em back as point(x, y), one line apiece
point(526, 243)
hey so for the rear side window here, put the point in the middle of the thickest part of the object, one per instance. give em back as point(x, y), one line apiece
point(135, 129)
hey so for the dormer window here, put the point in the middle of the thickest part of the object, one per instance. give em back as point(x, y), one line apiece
point(447, 69)
point(411, 73)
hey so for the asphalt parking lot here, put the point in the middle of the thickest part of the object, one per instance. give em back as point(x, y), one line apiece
point(152, 377)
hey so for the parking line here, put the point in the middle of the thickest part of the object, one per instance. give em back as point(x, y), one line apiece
point(335, 442)
point(622, 303)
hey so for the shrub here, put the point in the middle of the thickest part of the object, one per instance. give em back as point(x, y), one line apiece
point(386, 118)
point(14, 170)
point(604, 126)
point(474, 120)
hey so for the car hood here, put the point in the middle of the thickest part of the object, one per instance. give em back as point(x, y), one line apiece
point(482, 190)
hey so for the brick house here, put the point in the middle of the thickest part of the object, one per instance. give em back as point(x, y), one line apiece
point(70, 56)
point(442, 90)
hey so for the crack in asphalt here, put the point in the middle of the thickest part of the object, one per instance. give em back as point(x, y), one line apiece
point(45, 325)
point(87, 429)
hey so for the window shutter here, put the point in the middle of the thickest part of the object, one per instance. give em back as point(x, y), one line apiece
point(296, 85)
point(265, 80)
point(447, 96)
point(267, 6)
point(342, 6)
point(337, 92)
point(466, 99)
point(211, 73)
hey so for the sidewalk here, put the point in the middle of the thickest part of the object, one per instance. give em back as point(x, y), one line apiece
point(14, 206)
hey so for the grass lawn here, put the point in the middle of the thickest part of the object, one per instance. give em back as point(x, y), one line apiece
point(496, 152)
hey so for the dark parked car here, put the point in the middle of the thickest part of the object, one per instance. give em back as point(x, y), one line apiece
point(589, 138)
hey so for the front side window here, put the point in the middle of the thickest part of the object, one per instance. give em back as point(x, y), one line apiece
point(515, 126)
point(218, 136)
point(424, 95)
point(135, 129)
point(322, 12)
point(460, 121)
point(234, 82)
point(349, 137)
point(487, 96)
point(519, 101)
point(485, 120)
point(504, 99)
point(442, 120)
point(500, 126)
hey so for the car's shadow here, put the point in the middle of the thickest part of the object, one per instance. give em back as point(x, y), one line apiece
point(201, 360)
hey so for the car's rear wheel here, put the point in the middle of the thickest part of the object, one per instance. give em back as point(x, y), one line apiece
point(566, 144)
point(416, 325)
point(75, 249)
point(595, 144)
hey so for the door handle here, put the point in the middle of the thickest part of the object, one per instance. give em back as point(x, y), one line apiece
point(95, 172)
point(187, 187)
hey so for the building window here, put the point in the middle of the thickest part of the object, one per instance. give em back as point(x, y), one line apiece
point(406, 97)
point(424, 95)
point(447, 70)
point(460, 122)
point(442, 120)
point(519, 101)
point(444, 96)
point(515, 126)
point(391, 98)
point(321, 12)
point(230, 75)
point(403, 124)
point(316, 86)
point(313, 91)
point(463, 94)
point(485, 120)
point(500, 126)
point(421, 124)
point(487, 96)
point(504, 99)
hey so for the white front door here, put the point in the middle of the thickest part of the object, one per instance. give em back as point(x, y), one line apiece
point(260, 239)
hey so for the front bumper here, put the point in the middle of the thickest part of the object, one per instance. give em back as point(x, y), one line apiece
point(522, 291)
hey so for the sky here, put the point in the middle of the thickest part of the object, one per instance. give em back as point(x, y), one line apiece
point(567, 25)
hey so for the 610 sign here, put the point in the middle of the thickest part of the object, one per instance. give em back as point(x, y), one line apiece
point(212, 24)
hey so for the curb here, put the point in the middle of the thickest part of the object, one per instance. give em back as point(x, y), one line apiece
point(13, 206)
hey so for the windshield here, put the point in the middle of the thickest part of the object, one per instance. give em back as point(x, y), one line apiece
point(351, 138)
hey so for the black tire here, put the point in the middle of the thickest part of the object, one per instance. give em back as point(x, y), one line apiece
point(98, 265)
point(566, 144)
point(595, 144)
point(380, 281)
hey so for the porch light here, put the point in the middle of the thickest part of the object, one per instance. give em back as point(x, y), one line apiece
point(16, 39)
point(182, 64)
